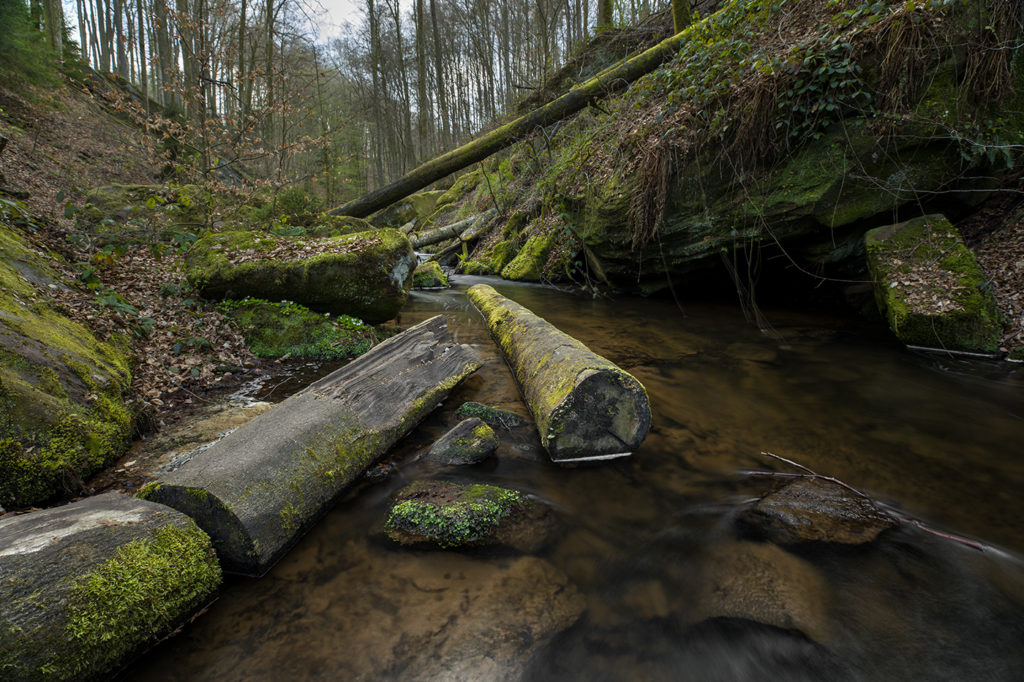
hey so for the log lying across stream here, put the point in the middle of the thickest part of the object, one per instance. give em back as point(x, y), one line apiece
point(585, 406)
point(257, 490)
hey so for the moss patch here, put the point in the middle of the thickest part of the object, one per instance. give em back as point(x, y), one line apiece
point(528, 265)
point(451, 515)
point(429, 276)
point(275, 330)
point(929, 286)
point(62, 416)
point(493, 416)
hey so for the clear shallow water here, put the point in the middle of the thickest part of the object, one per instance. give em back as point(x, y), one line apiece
point(645, 576)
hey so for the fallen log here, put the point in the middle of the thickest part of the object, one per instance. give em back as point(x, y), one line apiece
point(257, 490)
point(607, 82)
point(465, 230)
point(86, 586)
point(585, 407)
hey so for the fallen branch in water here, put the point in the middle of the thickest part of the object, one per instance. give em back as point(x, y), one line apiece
point(809, 473)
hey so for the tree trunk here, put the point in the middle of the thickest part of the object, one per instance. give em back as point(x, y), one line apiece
point(261, 487)
point(585, 407)
point(422, 102)
point(53, 19)
point(682, 15)
point(604, 14)
point(122, 56)
point(163, 46)
point(451, 231)
point(442, 96)
point(143, 72)
point(609, 81)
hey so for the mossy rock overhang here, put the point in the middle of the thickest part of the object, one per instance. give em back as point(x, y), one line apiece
point(930, 288)
point(585, 407)
point(62, 414)
point(365, 275)
point(86, 586)
point(261, 487)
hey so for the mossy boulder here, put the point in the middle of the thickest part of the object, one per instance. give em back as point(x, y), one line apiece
point(411, 208)
point(86, 586)
point(469, 442)
point(62, 415)
point(275, 330)
point(124, 202)
point(325, 225)
point(457, 192)
point(365, 275)
point(929, 286)
point(452, 515)
point(429, 275)
point(528, 264)
point(492, 416)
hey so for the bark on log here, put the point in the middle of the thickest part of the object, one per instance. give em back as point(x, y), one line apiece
point(86, 586)
point(442, 233)
point(261, 487)
point(585, 407)
point(607, 82)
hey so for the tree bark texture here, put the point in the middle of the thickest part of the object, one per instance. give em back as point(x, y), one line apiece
point(261, 487)
point(452, 231)
point(607, 82)
point(585, 406)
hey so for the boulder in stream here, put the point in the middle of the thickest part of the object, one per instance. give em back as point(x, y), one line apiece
point(930, 288)
point(816, 510)
point(366, 275)
point(262, 486)
point(494, 417)
point(762, 583)
point(454, 515)
point(429, 275)
point(468, 442)
point(85, 586)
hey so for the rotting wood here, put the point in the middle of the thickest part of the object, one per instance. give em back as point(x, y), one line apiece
point(609, 81)
point(261, 487)
point(466, 230)
point(585, 406)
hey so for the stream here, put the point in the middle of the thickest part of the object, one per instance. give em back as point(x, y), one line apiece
point(627, 584)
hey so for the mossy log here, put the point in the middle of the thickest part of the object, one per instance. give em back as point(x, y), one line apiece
point(607, 82)
point(85, 586)
point(261, 487)
point(465, 230)
point(585, 407)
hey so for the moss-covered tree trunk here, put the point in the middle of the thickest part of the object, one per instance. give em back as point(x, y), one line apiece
point(261, 487)
point(607, 82)
point(585, 406)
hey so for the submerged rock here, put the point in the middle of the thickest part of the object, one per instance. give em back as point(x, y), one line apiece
point(452, 515)
point(62, 412)
point(85, 586)
point(762, 583)
point(366, 275)
point(493, 416)
point(469, 442)
point(429, 276)
point(815, 510)
point(929, 286)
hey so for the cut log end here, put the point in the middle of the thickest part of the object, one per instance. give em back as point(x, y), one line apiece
point(605, 415)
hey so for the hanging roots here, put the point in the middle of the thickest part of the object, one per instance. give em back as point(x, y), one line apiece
point(647, 205)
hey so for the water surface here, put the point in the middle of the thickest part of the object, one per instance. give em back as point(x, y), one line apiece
point(629, 585)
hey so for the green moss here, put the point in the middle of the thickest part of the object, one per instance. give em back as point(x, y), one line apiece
point(134, 598)
point(528, 265)
point(450, 515)
point(492, 416)
point(147, 491)
point(275, 330)
point(921, 262)
point(429, 275)
point(463, 186)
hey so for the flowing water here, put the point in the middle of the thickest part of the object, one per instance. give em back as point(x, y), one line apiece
point(645, 575)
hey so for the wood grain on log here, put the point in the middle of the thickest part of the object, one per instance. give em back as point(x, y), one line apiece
point(261, 487)
point(585, 406)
